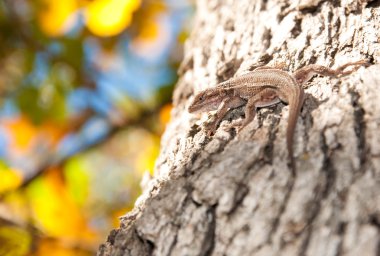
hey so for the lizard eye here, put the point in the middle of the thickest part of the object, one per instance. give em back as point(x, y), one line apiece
point(201, 98)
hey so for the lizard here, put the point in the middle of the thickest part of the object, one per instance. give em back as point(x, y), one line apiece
point(264, 86)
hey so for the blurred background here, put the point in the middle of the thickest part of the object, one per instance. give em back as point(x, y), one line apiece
point(85, 91)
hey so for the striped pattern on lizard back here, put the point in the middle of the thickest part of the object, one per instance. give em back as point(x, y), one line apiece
point(247, 85)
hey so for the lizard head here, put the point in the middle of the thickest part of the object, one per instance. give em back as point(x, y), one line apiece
point(207, 100)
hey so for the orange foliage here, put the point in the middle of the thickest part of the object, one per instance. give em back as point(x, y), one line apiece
point(150, 28)
point(149, 31)
point(24, 133)
point(165, 114)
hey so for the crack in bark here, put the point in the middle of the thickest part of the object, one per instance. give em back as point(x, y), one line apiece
point(328, 29)
point(327, 168)
point(308, 228)
point(308, 123)
point(266, 38)
point(174, 241)
point(207, 161)
point(341, 230)
point(374, 220)
point(373, 4)
point(321, 192)
point(148, 245)
point(239, 196)
point(312, 9)
point(209, 240)
point(268, 149)
point(297, 28)
point(282, 209)
point(359, 127)
point(243, 190)
point(185, 203)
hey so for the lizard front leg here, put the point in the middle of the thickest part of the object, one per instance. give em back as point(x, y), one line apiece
point(226, 104)
point(265, 98)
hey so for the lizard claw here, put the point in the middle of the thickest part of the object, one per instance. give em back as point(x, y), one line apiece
point(210, 133)
point(238, 125)
point(239, 128)
point(211, 128)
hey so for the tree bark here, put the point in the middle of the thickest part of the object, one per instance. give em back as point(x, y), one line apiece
point(233, 193)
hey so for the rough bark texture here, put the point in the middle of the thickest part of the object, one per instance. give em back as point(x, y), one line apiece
point(233, 194)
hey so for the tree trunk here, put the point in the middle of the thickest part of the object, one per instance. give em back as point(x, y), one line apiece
point(233, 193)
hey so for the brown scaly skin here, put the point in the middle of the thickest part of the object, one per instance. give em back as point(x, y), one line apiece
point(262, 87)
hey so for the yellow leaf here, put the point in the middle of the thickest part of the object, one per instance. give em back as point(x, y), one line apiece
point(149, 149)
point(53, 16)
point(10, 179)
point(14, 241)
point(110, 17)
point(77, 179)
point(53, 247)
point(56, 211)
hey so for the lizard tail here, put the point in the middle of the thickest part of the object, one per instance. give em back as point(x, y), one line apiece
point(295, 102)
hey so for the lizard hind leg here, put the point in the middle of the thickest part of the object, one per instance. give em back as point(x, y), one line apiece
point(305, 73)
point(356, 64)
